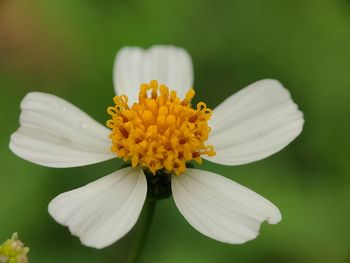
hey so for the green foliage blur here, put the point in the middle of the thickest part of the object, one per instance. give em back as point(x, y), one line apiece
point(67, 48)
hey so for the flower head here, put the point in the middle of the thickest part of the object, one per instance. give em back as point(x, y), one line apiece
point(154, 126)
point(161, 131)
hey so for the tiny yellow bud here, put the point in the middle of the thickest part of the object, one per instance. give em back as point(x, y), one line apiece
point(13, 251)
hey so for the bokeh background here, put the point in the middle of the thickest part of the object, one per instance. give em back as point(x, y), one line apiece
point(67, 48)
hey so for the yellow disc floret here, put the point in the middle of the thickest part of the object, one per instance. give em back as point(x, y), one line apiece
point(160, 131)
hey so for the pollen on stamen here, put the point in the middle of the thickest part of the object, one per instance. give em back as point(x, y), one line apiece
point(160, 131)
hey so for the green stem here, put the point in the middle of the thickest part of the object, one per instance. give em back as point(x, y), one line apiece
point(147, 216)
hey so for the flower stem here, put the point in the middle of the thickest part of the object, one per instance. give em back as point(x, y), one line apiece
point(150, 205)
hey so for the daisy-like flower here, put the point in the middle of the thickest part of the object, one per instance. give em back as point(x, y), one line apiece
point(155, 128)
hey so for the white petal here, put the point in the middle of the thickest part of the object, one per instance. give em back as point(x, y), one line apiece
point(103, 211)
point(254, 123)
point(220, 208)
point(168, 65)
point(55, 133)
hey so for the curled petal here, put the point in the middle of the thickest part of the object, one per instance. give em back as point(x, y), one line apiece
point(103, 211)
point(168, 65)
point(55, 133)
point(220, 208)
point(254, 123)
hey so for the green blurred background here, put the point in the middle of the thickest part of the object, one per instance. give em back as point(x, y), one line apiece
point(67, 48)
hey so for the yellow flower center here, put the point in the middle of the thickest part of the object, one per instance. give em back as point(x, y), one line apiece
point(160, 131)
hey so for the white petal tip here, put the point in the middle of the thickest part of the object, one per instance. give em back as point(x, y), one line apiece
point(275, 219)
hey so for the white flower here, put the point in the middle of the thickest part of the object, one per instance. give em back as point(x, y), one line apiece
point(250, 125)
